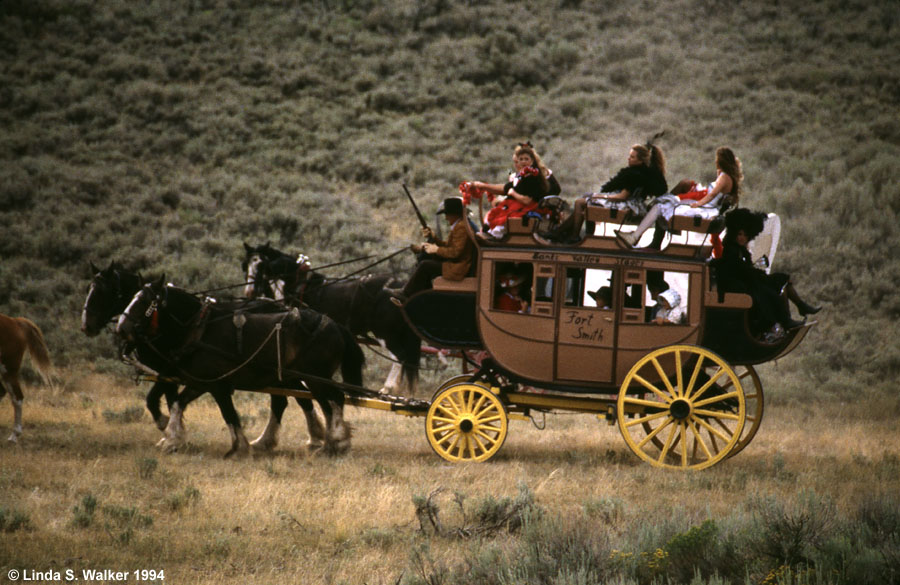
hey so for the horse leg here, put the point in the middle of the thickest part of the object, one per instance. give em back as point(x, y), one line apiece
point(174, 437)
point(337, 440)
point(337, 432)
point(153, 396)
point(392, 382)
point(17, 398)
point(269, 437)
point(239, 444)
point(313, 425)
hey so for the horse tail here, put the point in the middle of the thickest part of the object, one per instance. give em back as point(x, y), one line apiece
point(37, 348)
point(353, 359)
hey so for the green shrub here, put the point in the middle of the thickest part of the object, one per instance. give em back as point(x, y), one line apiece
point(12, 520)
point(83, 513)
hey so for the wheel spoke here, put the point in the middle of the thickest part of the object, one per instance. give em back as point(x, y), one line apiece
point(688, 392)
point(470, 444)
point(668, 445)
point(679, 373)
point(653, 388)
point(663, 376)
point(490, 419)
point(449, 406)
point(442, 429)
point(475, 439)
point(713, 431)
point(716, 414)
point(444, 419)
point(476, 408)
point(716, 398)
point(655, 432)
point(647, 403)
point(647, 418)
point(684, 443)
point(486, 437)
point(698, 439)
point(708, 385)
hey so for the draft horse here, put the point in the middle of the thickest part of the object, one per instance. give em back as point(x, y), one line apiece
point(110, 291)
point(363, 305)
point(18, 334)
point(218, 350)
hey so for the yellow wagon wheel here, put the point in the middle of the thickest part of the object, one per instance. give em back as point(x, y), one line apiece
point(753, 396)
point(466, 422)
point(754, 399)
point(681, 407)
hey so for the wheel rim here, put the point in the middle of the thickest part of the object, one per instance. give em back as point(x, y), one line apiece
point(466, 422)
point(681, 407)
point(753, 396)
point(457, 379)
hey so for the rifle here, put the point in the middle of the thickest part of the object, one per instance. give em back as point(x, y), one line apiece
point(415, 207)
point(421, 255)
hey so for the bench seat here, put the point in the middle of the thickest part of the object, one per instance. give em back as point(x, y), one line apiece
point(468, 284)
point(599, 214)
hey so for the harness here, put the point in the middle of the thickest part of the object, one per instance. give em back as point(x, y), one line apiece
point(197, 327)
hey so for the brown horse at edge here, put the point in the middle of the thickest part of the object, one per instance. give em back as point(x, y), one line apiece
point(16, 335)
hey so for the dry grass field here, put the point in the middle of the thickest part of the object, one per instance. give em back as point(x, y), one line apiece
point(87, 489)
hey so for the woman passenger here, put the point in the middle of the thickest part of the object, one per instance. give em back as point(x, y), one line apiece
point(645, 176)
point(530, 182)
point(770, 292)
point(691, 199)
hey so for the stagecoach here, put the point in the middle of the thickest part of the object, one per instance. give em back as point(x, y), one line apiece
point(684, 395)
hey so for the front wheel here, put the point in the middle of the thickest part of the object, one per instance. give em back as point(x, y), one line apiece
point(681, 407)
point(466, 422)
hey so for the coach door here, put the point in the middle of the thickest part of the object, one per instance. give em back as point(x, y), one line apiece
point(586, 325)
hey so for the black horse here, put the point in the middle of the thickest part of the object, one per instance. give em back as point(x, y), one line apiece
point(216, 349)
point(363, 305)
point(110, 291)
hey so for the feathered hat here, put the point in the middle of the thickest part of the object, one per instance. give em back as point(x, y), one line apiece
point(744, 219)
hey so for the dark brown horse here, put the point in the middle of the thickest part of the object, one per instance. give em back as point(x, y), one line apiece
point(18, 334)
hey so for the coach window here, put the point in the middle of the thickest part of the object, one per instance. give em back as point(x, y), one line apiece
point(590, 288)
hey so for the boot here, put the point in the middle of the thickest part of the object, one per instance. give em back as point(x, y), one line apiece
point(805, 308)
point(626, 238)
point(658, 236)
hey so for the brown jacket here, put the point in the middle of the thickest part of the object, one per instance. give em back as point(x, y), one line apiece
point(457, 252)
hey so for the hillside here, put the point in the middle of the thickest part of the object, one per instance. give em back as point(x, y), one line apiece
point(166, 133)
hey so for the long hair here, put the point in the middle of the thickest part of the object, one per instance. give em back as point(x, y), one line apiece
point(526, 148)
point(651, 156)
point(731, 166)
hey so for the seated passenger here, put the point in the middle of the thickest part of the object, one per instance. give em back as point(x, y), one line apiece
point(691, 200)
point(451, 259)
point(509, 293)
point(668, 308)
point(602, 296)
point(771, 313)
point(645, 176)
point(530, 183)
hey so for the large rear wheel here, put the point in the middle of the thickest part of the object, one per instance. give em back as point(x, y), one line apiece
point(681, 407)
point(753, 396)
point(466, 422)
